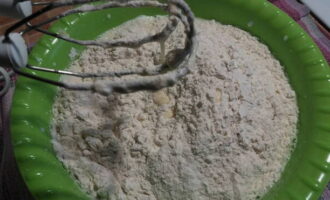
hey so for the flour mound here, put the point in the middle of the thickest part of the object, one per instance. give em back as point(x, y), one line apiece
point(224, 132)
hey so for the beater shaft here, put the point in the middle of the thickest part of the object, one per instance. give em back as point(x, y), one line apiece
point(174, 65)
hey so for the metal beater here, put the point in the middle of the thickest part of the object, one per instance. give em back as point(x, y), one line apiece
point(14, 53)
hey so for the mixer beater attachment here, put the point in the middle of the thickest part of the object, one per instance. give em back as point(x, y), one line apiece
point(14, 53)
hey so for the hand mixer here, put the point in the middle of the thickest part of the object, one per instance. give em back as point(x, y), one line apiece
point(14, 53)
point(14, 58)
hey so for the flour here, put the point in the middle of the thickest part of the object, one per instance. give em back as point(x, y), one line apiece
point(225, 132)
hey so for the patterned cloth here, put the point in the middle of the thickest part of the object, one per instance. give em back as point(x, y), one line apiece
point(301, 14)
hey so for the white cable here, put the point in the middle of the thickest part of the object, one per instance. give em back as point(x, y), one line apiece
point(13, 51)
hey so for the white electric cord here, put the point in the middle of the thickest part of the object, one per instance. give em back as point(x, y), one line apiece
point(13, 51)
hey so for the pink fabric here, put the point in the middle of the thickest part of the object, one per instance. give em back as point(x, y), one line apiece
point(300, 13)
point(320, 39)
point(326, 33)
point(293, 8)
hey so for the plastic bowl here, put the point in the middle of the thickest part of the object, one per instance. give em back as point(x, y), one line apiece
point(305, 175)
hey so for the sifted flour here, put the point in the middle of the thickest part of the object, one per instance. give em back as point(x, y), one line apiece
point(225, 132)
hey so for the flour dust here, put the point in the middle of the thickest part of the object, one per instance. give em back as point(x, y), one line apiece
point(224, 132)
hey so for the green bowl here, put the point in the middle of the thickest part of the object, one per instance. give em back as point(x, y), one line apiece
point(308, 170)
